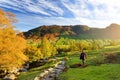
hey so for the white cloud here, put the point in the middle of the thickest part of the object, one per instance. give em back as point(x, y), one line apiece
point(96, 13)
point(102, 13)
point(50, 5)
point(10, 5)
point(31, 6)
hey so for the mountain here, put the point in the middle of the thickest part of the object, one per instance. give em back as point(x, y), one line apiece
point(75, 31)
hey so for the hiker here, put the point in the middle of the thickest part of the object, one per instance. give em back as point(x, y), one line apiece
point(83, 56)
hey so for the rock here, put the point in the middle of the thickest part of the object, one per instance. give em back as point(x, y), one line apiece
point(18, 73)
point(52, 73)
point(60, 67)
point(13, 70)
point(58, 71)
point(50, 69)
point(10, 77)
point(56, 65)
point(63, 62)
point(27, 65)
point(46, 71)
point(37, 78)
point(23, 70)
point(65, 69)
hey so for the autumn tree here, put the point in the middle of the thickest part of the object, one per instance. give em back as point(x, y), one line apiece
point(11, 17)
point(11, 45)
point(4, 22)
point(33, 53)
point(46, 48)
point(74, 46)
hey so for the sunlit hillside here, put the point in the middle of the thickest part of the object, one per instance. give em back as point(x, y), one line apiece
point(76, 31)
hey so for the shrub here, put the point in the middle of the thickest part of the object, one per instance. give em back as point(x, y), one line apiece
point(110, 58)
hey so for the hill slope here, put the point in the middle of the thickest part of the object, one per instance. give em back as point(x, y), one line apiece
point(75, 31)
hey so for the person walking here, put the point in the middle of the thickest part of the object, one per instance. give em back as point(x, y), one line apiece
point(83, 57)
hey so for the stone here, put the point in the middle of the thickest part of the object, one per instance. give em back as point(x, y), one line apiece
point(60, 67)
point(52, 73)
point(46, 71)
point(63, 62)
point(10, 77)
point(36, 78)
point(23, 70)
point(50, 69)
point(13, 70)
point(18, 73)
point(42, 74)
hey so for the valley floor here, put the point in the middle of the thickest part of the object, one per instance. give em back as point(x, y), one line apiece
point(101, 65)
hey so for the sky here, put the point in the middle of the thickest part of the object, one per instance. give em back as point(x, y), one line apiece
point(34, 13)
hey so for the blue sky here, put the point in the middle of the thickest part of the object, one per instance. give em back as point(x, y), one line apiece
point(34, 13)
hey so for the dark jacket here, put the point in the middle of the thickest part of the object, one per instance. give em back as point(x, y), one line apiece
point(82, 56)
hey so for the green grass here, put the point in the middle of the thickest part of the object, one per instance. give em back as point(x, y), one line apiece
point(92, 72)
point(104, 71)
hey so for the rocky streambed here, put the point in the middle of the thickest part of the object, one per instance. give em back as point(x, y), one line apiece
point(52, 72)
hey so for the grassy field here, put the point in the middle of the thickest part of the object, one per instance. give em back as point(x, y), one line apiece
point(99, 67)
point(103, 72)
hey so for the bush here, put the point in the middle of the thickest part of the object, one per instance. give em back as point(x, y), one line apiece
point(112, 57)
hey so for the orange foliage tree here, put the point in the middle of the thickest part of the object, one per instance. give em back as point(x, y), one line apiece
point(11, 46)
point(4, 21)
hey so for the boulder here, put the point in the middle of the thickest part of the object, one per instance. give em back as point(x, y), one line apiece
point(9, 77)
point(37, 78)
